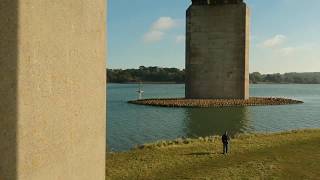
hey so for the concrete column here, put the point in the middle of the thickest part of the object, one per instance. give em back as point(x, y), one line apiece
point(52, 89)
point(217, 51)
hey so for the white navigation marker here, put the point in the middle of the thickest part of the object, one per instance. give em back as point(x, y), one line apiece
point(140, 91)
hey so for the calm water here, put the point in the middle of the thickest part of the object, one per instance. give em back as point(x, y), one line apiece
point(130, 124)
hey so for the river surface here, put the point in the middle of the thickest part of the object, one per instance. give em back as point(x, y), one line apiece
point(130, 125)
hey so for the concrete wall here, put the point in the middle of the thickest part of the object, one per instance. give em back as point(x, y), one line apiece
point(52, 89)
point(8, 88)
point(217, 51)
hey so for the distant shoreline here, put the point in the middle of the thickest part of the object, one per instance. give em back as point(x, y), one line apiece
point(153, 82)
point(146, 82)
point(161, 75)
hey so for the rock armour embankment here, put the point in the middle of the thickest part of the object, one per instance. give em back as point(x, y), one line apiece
point(181, 102)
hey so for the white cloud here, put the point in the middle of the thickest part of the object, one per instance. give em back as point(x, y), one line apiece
point(277, 45)
point(180, 39)
point(158, 29)
point(274, 41)
point(164, 23)
point(287, 51)
point(153, 36)
point(303, 57)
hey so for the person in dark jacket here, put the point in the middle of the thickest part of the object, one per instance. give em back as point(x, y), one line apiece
point(225, 140)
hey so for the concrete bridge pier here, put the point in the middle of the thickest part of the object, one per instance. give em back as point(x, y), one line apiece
point(217, 50)
point(52, 89)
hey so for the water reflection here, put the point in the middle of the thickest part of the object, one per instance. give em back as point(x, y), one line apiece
point(129, 124)
point(214, 121)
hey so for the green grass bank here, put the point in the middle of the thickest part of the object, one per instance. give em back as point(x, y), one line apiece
point(287, 155)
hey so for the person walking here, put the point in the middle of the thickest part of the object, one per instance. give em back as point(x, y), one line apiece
point(225, 140)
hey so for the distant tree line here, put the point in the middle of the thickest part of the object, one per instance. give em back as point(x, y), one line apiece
point(174, 75)
point(146, 74)
point(291, 78)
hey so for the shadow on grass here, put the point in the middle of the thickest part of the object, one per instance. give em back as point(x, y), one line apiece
point(201, 153)
point(253, 164)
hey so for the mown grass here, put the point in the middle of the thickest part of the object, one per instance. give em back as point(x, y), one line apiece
point(288, 155)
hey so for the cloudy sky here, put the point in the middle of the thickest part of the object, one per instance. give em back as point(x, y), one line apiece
point(285, 34)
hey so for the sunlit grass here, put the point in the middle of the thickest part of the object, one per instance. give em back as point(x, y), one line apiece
point(288, 155)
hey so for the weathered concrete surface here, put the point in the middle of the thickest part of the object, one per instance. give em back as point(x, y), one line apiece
point(217, 51)
point(8, 88)
point(52, 89)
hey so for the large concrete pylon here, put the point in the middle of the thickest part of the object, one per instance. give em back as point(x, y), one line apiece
point(52, 89)
point(217, 49)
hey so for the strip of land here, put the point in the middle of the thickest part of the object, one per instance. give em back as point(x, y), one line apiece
point(182, 102)
point(287, 155)
point(175, 75)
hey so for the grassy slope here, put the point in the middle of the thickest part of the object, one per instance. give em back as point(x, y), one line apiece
point(290, 155)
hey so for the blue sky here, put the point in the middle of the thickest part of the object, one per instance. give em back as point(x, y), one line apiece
point(285, 34)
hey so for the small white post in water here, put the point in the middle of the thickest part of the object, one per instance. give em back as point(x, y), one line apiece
point(140, 92)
